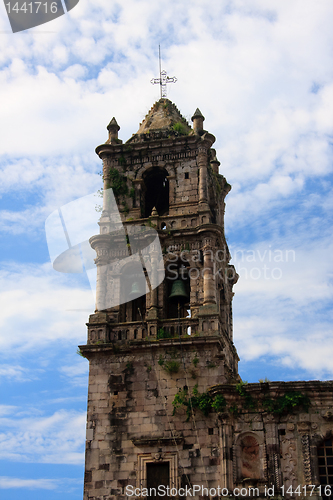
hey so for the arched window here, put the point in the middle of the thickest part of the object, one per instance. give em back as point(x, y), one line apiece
point(325, 463)
point(132, 293)
point(177, 273)
point(157, 191)
point(138, 308)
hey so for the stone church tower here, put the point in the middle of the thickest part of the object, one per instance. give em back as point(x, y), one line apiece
point(166, 406)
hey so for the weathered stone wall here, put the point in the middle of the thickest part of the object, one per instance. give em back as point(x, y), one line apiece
point(130, 413)
point(131, 422)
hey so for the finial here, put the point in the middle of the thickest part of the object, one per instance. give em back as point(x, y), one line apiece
point(163, 79)
point(154, 212)
point(113, 128)
point(214, 161)
point(198, 120)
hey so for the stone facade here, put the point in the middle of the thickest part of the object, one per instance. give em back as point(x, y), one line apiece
point(165, 402)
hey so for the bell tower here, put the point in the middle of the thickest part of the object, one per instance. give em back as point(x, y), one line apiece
point(172, 335)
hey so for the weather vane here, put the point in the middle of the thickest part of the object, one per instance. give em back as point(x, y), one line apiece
point(163, 79)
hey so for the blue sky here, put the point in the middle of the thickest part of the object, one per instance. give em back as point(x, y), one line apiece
point(261, 73)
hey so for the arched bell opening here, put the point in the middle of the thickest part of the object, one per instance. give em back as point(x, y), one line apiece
point(138, 309)
point(157, 191)
point(133, 291)
point(177, 291)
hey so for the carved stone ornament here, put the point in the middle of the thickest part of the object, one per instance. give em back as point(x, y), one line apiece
point(303, 426)
point(269, 418)
point(328, 415)
point(306, 457)
point(158, 457)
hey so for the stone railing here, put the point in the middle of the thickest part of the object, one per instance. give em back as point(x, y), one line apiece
point(175, 327)
point(136, 330)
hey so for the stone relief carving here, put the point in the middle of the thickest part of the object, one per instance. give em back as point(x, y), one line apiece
point(289, 461)
point(306, 457)
point(328, 415)
point(158, 457)
point(250, 463)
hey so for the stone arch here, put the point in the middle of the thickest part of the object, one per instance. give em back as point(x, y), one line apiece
point(132, 278)
point(161, 165)
point(156, 192)
point(176, 270)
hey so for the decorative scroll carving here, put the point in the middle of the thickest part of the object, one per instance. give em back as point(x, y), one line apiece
point(264, 462)
point(234, 464)
point(328, 415)
point(306, 457)
point(289, 461)
point(276, 471)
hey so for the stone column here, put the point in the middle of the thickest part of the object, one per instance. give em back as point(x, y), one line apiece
point(208, 275)
point(107, 164)
point(273, 451)
point(153, 310)
point(303, 428)
point(225, 431)
point(202, 160)
point(139, 190)
point(172, 188)
point(100, 243)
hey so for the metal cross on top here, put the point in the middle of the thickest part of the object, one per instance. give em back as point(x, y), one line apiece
point(163, 79)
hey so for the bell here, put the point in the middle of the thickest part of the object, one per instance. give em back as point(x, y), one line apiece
point(178, 292)
point(136, 290)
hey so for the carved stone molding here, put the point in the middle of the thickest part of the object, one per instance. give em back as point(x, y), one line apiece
point(305, 439)
point(276, 471)
point(328, 415)
point(303, 427)
point(159, 441)
point(144, 458)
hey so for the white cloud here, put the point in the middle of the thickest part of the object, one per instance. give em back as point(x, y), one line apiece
point(57, 438)
point(39, 186)
point(7, 409)
point(53, 307)
point(15, 373)
point(15, 482)
point(282, 305)
point(76, 374)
